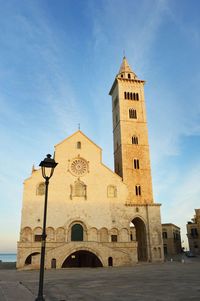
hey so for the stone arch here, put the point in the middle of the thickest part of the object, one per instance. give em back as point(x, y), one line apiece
point(124, 235)
point(141, 237)
point(114, 234)
point(92, 234)
point(29, 258)
point(77, 222)
point(37, 230)
point(82, 258)
point(50, 234)
point(103, 235)
point(114, 231)
point(26, 234)
point(60, 234)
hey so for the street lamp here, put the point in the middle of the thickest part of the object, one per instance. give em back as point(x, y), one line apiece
point(47, 165)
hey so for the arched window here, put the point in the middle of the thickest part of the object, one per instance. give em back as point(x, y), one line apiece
point(138, 190)
point(137, 96)
point(129, 76)
point(78, 145)
point(79, 189)
point(132, 113)
point(77, 233)
point(125, 95)
point(136, 164)
point(40, 190)
point(134, 140)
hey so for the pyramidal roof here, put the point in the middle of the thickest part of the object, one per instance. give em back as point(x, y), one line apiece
point(125, 69)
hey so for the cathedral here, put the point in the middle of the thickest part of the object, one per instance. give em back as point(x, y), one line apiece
point(97, 217)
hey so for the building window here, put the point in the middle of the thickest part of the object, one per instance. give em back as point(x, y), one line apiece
point(138, 190)
point(38, 237)
point(129, 76)
point(78, 189)
point(132, 113)
point(40, 190)
point(134, 140)
point(78, 145)
point(136, 164)
point(77, 233)
point(111, 191)
point(194, 232)
point(131, 96)
point(164, 234)
point(113, 238)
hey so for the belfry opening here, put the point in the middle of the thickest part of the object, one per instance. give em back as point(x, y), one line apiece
point(82, 259)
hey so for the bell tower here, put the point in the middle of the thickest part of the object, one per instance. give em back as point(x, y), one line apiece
point(131, 148)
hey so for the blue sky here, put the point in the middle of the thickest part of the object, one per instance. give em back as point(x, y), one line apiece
point(58, 60)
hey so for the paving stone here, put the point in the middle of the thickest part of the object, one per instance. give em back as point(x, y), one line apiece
point(171, 281)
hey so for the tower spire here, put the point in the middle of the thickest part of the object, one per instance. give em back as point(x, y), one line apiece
point(125, 70)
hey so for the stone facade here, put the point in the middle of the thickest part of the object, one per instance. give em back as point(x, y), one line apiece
point(171, 239)
point(97, 217)
point(193, 233)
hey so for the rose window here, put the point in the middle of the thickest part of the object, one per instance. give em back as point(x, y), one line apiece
point(79, 167)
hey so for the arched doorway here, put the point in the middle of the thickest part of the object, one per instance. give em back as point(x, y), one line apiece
point(77, 232)
point(110, 261)
point(29, 258)
point(53, 263)
point(82, 259)
point(138, 231)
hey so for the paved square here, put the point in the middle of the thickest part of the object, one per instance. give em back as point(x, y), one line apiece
point(172, 281)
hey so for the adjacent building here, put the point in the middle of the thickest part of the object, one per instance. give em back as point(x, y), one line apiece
point(193, 233)
point(171, 239)
point(96, 216)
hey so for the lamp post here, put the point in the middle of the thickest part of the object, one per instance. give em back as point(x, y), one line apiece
point(47, 165)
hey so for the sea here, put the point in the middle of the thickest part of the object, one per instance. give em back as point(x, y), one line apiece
point(8, 257)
